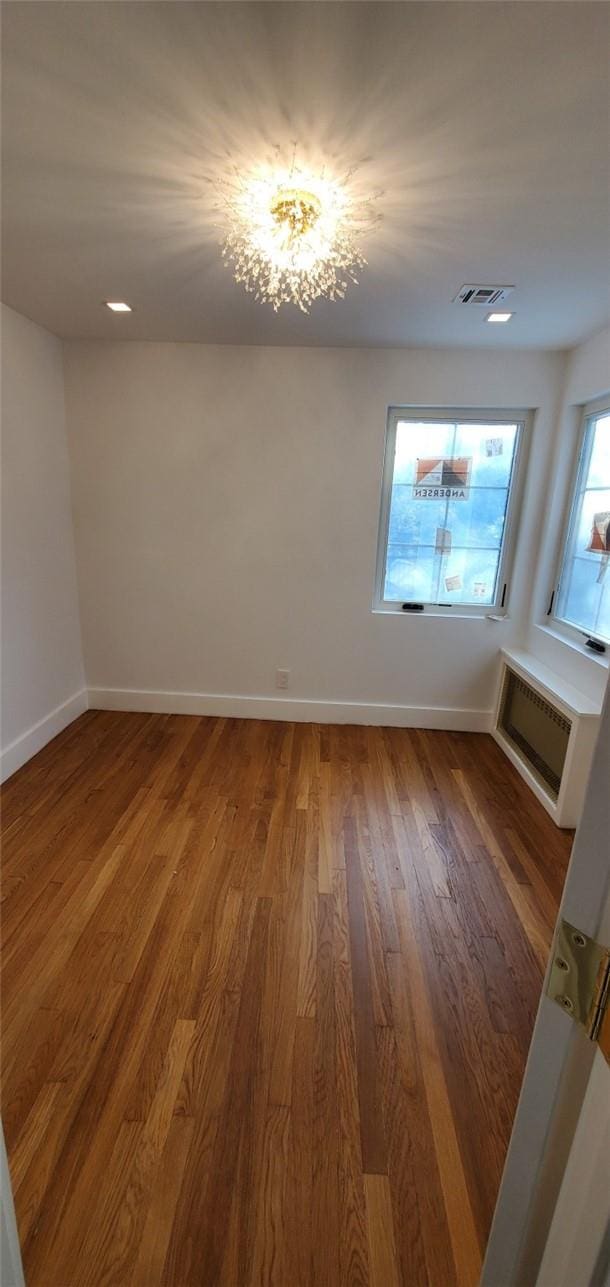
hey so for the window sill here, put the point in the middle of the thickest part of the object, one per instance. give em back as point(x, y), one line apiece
point(569, 641)
point(447, 614)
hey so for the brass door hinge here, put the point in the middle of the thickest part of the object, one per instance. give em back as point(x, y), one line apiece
point(580, 982)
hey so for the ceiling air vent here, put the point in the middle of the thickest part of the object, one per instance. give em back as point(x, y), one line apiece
point(484, 296)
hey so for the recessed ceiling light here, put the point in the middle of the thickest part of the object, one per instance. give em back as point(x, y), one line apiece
point(499, 317)
point(118, 306)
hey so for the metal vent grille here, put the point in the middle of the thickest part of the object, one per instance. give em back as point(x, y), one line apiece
point(537, 700)
point(537, 729)
point(484, 296)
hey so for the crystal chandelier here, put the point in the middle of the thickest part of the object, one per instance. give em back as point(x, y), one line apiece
point(293, 234)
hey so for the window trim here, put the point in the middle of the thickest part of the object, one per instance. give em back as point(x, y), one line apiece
point(523, 418)
point(567, 628)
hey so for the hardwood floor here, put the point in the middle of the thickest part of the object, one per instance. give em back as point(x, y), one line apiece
point(268, 993)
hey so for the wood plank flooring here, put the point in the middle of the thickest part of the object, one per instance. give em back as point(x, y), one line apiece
point(268, 993)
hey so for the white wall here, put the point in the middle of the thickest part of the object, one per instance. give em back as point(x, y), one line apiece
point(226, 512)
point(42, 668)
point(587, 377)
point(226, 507)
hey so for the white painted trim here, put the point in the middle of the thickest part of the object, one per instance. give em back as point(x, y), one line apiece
point(575, 1245)
point(572, 638)
point(543, 796)
point(298, 709)
point(556, 689)
point(524, 421)
point(33, 740)
point(11, 1268)
point(583, 717)
point(559, 1062)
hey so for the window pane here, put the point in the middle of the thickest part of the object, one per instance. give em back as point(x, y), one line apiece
point(491, 448)
point(480, 520)
point(410, 522)
point(599, 469)
point(411, 573)
point(584, 592)
point(448, 507)
point(593, 502)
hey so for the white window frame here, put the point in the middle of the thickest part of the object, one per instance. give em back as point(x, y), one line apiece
point(465, 415)
point(571, 631)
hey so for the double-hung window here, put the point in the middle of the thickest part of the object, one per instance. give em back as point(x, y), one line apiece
point(449, 509)
point(581, 598)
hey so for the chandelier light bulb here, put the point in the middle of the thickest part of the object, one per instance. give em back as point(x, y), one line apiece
point(293, 235)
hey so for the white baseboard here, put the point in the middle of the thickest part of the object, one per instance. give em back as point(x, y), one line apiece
point(33, 740)
point(283, 708)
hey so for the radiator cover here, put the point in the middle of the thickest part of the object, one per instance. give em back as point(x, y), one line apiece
point(547, 729)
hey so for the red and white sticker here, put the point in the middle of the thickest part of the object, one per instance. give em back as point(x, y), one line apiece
point(442, 478)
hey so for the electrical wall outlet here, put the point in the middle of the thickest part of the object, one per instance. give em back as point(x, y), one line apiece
point(281, 678)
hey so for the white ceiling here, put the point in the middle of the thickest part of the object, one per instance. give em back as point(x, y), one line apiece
point(486, 125)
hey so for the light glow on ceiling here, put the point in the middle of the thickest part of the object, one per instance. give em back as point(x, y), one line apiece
point(499, 317)
point(118, 306)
